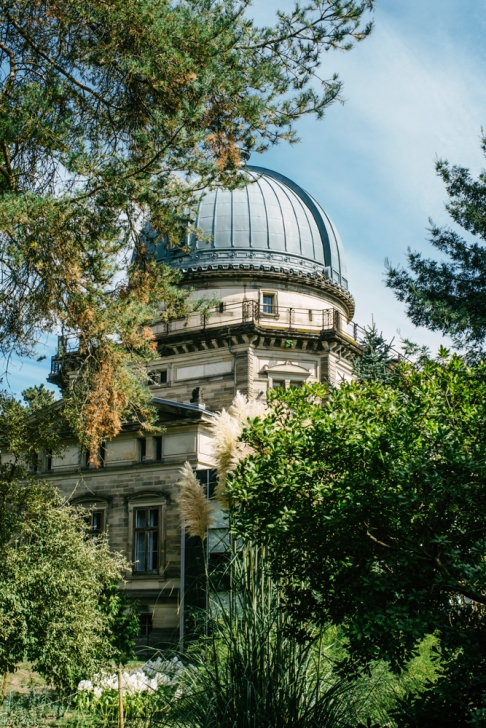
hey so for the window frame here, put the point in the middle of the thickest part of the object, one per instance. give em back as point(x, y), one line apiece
point(286, 383)
point(146, 629)
point(274, 296)
point(102, 513)
point(93, 504)
point(158, 377)
point(142, 449)
point(157, 448)
point(147, 500)
point(147, 529)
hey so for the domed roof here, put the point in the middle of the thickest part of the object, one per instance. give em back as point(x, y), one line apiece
point(270, 224)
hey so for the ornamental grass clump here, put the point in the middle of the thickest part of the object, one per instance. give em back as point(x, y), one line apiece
point(251, 672)
point(194, 506)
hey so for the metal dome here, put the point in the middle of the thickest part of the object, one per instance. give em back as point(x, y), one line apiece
point(270, 224)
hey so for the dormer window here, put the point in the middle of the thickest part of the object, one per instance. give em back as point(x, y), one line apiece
point(286, 375)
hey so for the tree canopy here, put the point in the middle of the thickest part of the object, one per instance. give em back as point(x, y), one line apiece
point(449, 295)
point(58, 608)
point(113, 115)
point(373, 511)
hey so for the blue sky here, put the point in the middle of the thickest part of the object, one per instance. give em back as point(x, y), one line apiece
point(414, 90)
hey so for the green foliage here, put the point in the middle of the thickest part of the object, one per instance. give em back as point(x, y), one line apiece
point(54, 580)
point(33, 710)
point(123, 622)
point(374, 363)
point(104, 710)
point(112, 116)
point(449, 295)
point(373, 510)
point(28, 428)
point(251, 672)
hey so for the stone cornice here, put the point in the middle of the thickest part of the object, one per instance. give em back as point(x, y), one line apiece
point(251, 334)
point(270, 270)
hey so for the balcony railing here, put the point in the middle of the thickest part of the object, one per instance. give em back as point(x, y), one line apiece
point(288, 320)
point(306, 320)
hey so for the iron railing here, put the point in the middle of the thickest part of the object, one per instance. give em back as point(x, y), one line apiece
point(224, 315)
point(306, 320)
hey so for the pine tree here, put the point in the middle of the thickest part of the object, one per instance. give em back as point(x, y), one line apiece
point(450, 295)
point(113, 115)
point(374, 363)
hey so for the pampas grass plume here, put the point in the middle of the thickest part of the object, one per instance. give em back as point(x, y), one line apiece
point(194, 506)
point(227, 448)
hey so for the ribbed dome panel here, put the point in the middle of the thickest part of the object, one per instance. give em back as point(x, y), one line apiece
point(272, 222)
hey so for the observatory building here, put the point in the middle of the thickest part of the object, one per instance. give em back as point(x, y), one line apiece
point(274, 266)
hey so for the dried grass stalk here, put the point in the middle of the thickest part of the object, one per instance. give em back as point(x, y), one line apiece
point(227, 448)
point(193, 504)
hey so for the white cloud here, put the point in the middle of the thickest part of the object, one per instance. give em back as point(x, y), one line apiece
point(414, 91)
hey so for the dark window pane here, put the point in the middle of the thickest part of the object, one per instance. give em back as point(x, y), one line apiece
point(163, 376)
point(153, 541)
point(140, 552)
point(267, 304)
point(146, 556)
point(145, 621)
point(96, 522)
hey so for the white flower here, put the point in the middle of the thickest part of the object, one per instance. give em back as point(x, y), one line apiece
point(154, 674)
point(163, 679)
point(85, 685)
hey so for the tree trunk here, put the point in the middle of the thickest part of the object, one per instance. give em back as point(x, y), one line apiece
point(4, 687)
point(121, 722)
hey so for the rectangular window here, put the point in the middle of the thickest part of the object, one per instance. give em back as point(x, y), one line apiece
point(95, 523)
point(278, 383)
point(49, 463)
point(157, 377)
point(268, 303)
point(310, 315)
point(145, 621)
point(146, 539)
point(142, 449)
point(158, 448)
